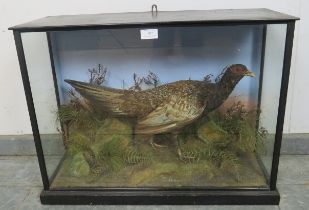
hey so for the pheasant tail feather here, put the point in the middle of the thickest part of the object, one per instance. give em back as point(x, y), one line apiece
point(100, 96)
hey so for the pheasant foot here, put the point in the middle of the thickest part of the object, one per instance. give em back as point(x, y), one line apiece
point(155, 145)
point(183, 157)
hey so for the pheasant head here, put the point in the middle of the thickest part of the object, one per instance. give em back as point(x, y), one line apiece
point(232, 75)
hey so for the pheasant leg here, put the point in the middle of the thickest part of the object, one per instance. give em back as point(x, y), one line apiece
point(181, 156)
point(177, 144)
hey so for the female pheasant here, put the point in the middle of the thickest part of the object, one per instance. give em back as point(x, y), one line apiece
point(166, 108)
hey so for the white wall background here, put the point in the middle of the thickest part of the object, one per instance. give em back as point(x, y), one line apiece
point(14, 117)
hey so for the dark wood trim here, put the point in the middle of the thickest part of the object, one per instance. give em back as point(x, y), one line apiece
point(161, 18)
point(149, 25)
point(161, 197)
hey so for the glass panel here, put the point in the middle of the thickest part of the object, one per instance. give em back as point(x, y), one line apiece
point(165, 107)
point(271, 83)
point(44, 97)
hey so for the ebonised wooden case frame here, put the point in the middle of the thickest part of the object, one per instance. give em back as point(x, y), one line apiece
point(147, 19)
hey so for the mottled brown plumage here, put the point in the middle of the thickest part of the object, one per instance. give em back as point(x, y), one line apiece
point(166, 108)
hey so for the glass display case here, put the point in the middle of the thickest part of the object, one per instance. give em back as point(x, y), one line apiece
point(181, 107)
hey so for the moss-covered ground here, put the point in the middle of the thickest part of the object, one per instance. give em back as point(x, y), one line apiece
point(219, 150)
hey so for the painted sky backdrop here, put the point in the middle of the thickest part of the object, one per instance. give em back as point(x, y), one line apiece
point(179, 53)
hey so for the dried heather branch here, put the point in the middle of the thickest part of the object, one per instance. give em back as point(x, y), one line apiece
point(152, 79)
point(207, 78)
point(97, 75)
point(137, 83)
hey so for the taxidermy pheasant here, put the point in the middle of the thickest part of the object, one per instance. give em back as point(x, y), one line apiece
point(166, 108)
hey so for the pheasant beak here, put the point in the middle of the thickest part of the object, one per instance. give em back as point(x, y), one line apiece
point(249, 73)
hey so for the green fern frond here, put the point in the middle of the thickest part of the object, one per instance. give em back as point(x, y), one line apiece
point(78, 118)
point(78, 142)
point(66, 113)
point(132, 156)
point(110, 154)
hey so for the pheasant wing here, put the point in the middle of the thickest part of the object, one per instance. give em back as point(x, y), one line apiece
point(172, 114)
